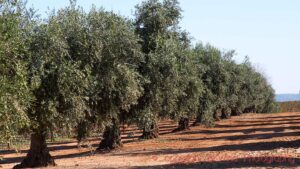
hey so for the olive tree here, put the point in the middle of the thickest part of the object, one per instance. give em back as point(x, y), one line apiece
point(160, 89)
point(190, 90)
point(157, 24)
point(58, 86)
point(14, 92)
point(214, 78)
point(116, 82)
point(260, 95)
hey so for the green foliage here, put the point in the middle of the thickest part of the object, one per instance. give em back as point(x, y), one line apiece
point(165, 49)
point(57, 82)
point(231, 88)
point(107, 50)
point(214, 77)
point(98, 67)
point(155, 18)
point(14, 91)
point(115, 83)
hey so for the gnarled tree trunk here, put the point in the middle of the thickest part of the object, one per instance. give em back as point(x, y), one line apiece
point(111, 137)
point(250, 109)
point(52, 138)
point(152, 133)
point(226, 113)
point(236, 112)
point(82, 130)
point(217, 115)
point(38, 155)
point(183, 124)
point(198, 120)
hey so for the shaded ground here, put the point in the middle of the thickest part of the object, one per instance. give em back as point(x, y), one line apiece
point(248, 141)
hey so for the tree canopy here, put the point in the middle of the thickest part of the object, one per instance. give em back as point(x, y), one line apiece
point(76, 68)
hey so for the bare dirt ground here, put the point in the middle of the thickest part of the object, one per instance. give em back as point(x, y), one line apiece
point(247, 141)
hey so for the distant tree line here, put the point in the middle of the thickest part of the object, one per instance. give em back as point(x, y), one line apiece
point(75, 69)
point(289, 106)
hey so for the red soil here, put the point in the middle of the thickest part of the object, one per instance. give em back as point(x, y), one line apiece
point(247, 141)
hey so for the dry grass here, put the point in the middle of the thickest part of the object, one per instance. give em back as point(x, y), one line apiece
point(292, 106)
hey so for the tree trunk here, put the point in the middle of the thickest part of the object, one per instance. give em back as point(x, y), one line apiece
point(52, 134)
point(183, 124)
point(111, 137)
point(226, 113)
point(236, 112)
point(198, 120)
point(217, 115)
point(152, 133)
point(38, 155)
point(82, 131)
point(250, 109)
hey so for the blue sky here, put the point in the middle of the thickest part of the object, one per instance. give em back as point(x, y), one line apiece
point(268, 31)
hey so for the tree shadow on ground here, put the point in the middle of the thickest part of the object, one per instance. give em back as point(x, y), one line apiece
point(254, 124)
point(244, 137)
point(19, 159)
point(280, 117)
point(265, 161)
point(244, 131)
point(51, 148)
point(260, 146)
point(263, 120)
point(10, 160)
